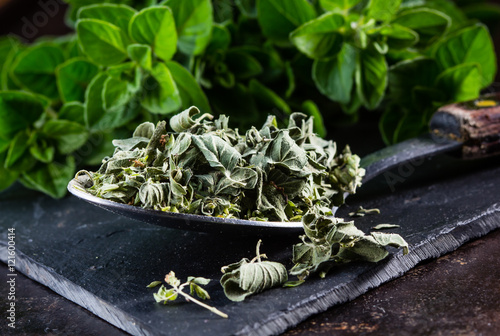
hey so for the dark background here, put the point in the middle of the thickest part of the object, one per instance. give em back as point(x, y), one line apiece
point(31, 19)
point(27, 19)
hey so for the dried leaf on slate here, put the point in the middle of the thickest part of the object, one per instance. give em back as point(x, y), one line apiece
point(248, 277)
point(329, 240)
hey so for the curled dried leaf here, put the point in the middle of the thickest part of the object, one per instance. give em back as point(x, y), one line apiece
point(248, 277)
point(360, 212)
point(385, 226)
point(144, 130)
point(153, 194)
point(184, 120)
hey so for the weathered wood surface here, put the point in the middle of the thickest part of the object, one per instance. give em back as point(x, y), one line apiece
point(103, 262)
point(476, 123)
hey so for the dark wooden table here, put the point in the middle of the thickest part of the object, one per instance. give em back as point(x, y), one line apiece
point(457, 294)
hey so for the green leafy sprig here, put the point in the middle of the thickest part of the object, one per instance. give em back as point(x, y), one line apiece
point(167, 295)
point(402, 57)
point(62, 99)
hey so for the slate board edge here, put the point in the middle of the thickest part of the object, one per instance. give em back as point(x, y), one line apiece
point(397, 265)
point(434, 247)
point(66, 288)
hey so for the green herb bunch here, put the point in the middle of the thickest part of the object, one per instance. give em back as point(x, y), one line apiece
point(205, 167)
point(402, 57)
point(63, 99)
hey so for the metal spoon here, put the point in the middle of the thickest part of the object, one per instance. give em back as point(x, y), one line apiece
point(473, 127)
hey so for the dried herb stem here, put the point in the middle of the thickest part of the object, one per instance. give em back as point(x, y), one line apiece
point(165, 295)
point(198, 302)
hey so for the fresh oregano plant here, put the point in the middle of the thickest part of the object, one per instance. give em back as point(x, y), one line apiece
point(62, 99)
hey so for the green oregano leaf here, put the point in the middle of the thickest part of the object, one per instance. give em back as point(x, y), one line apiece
point(335, 77)
point(320, 38)
point(189, 90)
point(142, 55)
point(428, 23)
point(18, 147)
point(119, 15)
point(371, 77)
point(160, 92)
point(11, 102)
point(155, 26)
point(278, 18)
point(103, 42)
point(193, 20)
point(35, 69)
point(383, 10)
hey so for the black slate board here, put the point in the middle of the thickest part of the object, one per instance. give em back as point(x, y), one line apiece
point(103, 262)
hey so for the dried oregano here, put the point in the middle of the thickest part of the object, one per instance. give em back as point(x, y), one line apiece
point(167, 295)
point(329, 240)
point(205, 167)
point(248, 277)
point(360, 212)
point(202, 166)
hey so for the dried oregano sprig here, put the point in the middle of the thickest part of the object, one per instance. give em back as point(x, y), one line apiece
point(166, 295)
point(204, 167)
point(329, 240)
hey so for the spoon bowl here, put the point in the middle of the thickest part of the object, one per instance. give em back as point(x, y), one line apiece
point(182, 221)
point(451, 130)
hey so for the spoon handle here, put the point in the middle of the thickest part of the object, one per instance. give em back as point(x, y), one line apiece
point(472, 127)
point(474, 123)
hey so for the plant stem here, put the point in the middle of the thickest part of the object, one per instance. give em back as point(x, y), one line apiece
point(259, 255)
point(212, 309)
point(257, 250)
